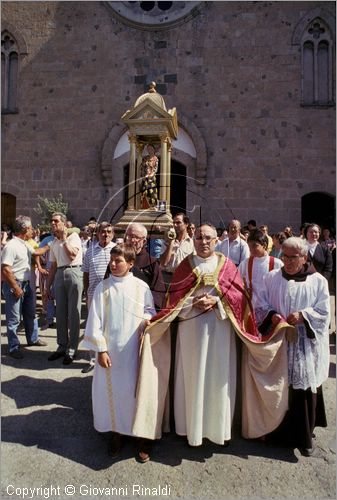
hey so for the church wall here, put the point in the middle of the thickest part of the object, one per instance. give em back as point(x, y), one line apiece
point(232, 71)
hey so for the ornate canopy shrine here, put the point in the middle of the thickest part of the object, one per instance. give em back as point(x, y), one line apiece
point(151, 130)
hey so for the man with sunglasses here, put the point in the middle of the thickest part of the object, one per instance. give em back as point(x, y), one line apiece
point(66, 274)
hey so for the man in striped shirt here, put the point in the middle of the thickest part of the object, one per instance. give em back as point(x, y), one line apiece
point(94, 266)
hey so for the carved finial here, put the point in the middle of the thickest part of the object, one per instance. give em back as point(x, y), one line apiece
point(152, 87)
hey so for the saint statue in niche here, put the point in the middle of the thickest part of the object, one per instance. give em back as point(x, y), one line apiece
point(148, 182)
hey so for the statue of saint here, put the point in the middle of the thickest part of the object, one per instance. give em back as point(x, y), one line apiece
point(148, 182)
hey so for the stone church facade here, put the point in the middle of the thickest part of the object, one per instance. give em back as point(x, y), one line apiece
point(253, 84)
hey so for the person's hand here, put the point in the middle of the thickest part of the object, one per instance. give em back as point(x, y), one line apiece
point(142, 327)
point(276, 318)
point(104, 360)
point(295, 318)
point(63, 233)
point(291, 335)
point(17, 292)
point(43, 271)
point(204, 302)
point(4, 237)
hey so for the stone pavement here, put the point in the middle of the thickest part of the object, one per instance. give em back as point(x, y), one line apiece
point(50, 449)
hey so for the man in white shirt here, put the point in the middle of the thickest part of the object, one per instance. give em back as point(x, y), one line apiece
point(66, 259)
point(16, 273)
point(175, 250)
point(95, 263)
point(234, 247)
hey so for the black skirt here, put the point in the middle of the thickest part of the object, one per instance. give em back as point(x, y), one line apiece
point(306, 411)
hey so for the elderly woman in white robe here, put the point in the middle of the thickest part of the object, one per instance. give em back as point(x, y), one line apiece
point(292, 293)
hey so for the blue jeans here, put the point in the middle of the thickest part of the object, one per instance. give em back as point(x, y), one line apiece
point(51, 309)
point(14, 308)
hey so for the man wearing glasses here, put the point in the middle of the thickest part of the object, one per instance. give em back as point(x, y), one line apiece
point(208, 296)
point(146, 268)
point(300, 297)
point(66, 263)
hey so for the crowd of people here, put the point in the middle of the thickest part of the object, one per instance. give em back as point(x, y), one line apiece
point(177, 327)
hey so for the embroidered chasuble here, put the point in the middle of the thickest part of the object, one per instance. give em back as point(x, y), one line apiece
point(206, 359)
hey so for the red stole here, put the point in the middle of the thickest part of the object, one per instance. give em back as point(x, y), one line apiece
point(229, 286)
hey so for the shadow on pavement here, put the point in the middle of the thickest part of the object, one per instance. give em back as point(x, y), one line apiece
point(36, 359)
point(67, 430)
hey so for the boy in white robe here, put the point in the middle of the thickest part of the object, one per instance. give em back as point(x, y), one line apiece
point(120, 306)
point(254, 269)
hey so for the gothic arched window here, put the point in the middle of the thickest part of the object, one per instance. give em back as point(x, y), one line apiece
point(9, 72)
point(317, 64)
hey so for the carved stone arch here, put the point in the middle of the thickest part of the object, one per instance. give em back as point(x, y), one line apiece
point(318, 12)
point(200, 163)
point(10, 188)
point(21, 43)
point(108, 161)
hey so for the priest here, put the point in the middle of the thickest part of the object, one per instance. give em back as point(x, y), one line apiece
point(208, 296)
point(294, 294)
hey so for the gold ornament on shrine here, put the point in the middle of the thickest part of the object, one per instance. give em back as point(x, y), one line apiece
point(151, 130)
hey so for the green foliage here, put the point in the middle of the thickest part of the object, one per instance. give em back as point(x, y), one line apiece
point(46, 207)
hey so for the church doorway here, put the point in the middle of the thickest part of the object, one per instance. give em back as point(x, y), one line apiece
point(8, 208)
point(320, 208)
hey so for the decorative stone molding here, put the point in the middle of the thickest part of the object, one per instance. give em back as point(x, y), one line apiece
point(324, 14)
point(154, 15)
point(20, 41)
point(200, 173)
point(9, 188)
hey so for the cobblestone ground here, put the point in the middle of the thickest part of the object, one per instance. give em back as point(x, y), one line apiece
point(50, 449)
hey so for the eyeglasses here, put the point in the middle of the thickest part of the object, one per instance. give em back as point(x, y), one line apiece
point(132, 237)
point(291, 257)
point(208, 239)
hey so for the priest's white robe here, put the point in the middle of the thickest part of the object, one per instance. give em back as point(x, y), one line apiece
point(308, 358)
point(118, 309)
point(205, 372)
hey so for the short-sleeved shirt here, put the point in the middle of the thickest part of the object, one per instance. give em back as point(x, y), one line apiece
point(18, 255)
point(181, 249)
point(95, 262)
point(236, 250)
point(59, 255)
